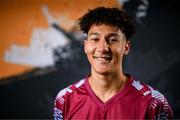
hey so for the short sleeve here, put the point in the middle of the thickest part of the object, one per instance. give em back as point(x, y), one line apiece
point(159, 108)
point(59, 104)
point(58, 108)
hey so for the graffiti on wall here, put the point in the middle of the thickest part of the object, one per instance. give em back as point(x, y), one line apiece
point(34, 43)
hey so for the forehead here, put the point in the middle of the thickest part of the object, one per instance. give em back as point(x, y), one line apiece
point(104, 30)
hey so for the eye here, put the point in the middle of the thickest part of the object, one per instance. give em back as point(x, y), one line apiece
point(113, 40)
point(94, 39)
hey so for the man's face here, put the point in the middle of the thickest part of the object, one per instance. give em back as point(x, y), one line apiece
point(105, 47)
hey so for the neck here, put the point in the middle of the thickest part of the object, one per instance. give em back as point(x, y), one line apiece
point(107, 85)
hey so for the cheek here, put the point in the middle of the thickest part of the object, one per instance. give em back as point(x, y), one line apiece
point(120, 49)
point(89, 49)
point(119, 52)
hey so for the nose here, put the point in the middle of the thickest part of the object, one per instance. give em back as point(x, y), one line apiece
point(103, 46)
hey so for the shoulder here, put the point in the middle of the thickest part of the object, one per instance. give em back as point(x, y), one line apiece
point(64, 93)
point(62, 96)
point(154, 97)
point(158, 106)
point(146, 90)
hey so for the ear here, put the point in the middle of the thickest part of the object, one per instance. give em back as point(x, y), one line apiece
point(127, 47)
point(85, 41)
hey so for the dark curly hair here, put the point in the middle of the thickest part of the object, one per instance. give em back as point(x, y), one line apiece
point(108, 16)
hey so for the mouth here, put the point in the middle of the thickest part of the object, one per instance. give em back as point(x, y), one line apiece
point(103, 58)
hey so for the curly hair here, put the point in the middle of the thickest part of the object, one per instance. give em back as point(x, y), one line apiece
point(109, 16)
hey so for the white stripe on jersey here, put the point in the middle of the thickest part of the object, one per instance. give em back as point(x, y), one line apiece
point(77, 85)
point(58, 114)
point(63, 92)
point(146, 93)
point(69, 90)
point(137, 85)
point(157, 94)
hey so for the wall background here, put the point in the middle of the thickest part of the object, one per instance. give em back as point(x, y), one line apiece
point(41, 51)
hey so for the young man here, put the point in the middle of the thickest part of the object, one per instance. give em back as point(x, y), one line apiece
point(108, 93)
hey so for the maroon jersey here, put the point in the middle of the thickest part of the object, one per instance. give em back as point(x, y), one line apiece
point(135, 101)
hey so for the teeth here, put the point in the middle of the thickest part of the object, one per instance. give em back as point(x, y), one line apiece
point(102, 58)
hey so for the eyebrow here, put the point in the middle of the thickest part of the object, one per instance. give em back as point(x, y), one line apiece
point(113, 35)
point(93, 34)
point(109, 35)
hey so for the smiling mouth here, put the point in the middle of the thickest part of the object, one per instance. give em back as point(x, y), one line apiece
point(103, 58)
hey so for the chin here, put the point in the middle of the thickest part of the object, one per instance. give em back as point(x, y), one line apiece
point(102, 71)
